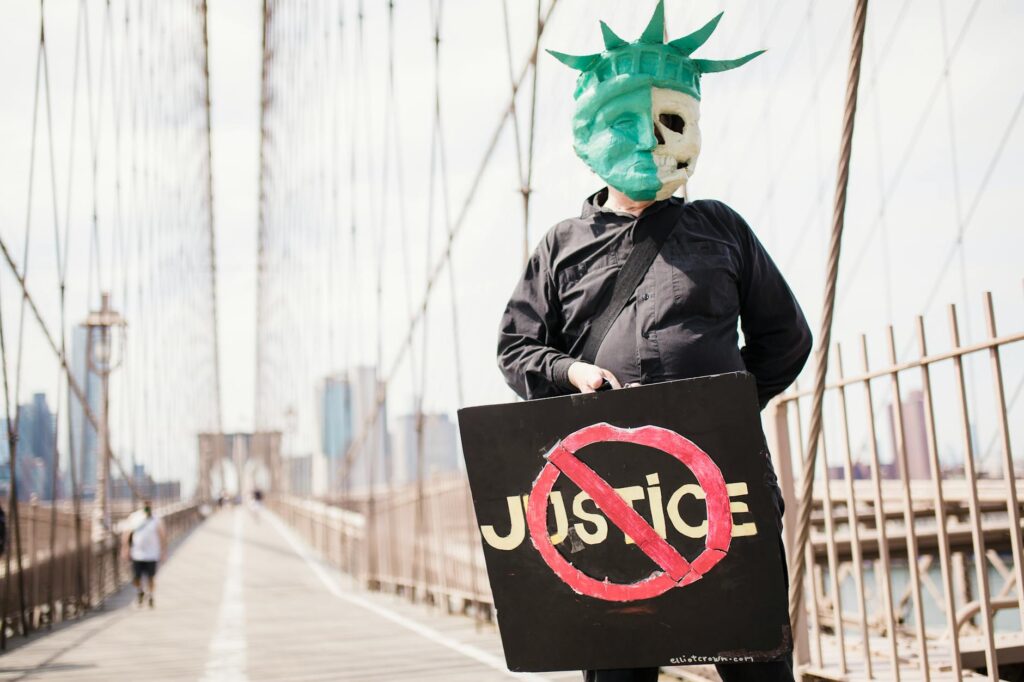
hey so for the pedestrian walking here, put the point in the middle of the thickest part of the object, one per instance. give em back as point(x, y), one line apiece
point(145, 543)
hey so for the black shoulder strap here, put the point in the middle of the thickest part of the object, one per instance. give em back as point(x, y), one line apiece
point(652, 233)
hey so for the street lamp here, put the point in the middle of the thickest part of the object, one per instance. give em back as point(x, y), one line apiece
point(100, 357)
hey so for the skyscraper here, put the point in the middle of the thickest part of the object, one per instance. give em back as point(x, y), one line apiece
point(36, 448)
point(337, 415)
point(346, 403)
point(84, 441)
point(335, 404)
point(440, 446)
point(915, 434)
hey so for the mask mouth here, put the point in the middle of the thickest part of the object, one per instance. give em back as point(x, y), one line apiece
point(669, 164)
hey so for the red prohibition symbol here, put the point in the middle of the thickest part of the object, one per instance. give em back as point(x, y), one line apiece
point(675, 570)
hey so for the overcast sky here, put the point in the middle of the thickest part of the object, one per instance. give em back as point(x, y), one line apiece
point(938, 161)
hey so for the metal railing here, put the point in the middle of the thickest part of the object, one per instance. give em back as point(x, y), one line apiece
point(78, 574)
point(915, 555)
point(422, 542)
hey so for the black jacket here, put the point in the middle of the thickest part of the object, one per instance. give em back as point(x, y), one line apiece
point(711, 274)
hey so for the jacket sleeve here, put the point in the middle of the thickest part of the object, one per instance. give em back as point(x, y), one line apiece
point(529, 348)
point(777, 338)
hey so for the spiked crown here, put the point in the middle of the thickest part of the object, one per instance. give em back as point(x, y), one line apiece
point(669, 65)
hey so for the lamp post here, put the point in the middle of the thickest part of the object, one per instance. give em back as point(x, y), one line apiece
point(100, 358)
point(276, 459)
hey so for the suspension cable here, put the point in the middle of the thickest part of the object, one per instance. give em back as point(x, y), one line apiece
point(369, 423)
point(798, 564)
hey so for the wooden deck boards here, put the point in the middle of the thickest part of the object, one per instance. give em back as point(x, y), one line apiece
point(242, 599)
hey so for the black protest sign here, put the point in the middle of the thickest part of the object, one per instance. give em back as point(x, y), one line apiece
point(630, 528)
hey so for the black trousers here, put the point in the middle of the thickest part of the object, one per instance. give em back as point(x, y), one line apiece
point(772, 671)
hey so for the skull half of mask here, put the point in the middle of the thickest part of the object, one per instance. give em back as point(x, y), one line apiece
point(676, 118)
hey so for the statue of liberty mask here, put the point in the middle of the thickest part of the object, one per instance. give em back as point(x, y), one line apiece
point(637, 118)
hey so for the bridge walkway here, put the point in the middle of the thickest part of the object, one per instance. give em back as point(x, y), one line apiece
point(243, 599)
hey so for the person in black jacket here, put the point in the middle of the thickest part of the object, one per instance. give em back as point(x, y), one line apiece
point(636, 126)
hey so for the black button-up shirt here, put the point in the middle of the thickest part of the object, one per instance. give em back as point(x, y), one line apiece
point(681, 322)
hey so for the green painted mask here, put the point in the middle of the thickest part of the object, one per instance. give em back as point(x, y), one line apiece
point(638, 107)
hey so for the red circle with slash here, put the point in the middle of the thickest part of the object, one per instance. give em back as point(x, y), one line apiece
point(675, 570)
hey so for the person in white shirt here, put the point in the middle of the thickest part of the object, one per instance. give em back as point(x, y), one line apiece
point(145, 542)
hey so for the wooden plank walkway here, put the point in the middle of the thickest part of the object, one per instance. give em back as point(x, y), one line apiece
point(243, 599)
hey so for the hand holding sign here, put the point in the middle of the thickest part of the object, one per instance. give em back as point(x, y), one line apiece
point(590, 378)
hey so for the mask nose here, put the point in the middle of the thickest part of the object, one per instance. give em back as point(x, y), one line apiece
point(649, 137)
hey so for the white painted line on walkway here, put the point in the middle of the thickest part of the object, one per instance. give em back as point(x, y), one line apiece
point(332, 584)
point(226, 658)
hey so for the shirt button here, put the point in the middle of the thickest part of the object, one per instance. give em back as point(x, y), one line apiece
point(645, 297)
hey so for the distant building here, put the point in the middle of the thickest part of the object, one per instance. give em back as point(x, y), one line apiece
point(347, 402)
point(915, 435)
point(83, 438)
point(145, 487)
point(859, 470)
point(440, 446)
point(299, 475)
point(36, 448)
point(335, 416)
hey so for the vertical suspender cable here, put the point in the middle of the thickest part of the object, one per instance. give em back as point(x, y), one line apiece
point(798, 563)
point(54, 453)
point(207, 135)
point(76, 500)
point(514, 116)
point(419, 565)
point(527, 188)
point(472, 536)
point(378, 385)
point(392, 152)
point(261, 255)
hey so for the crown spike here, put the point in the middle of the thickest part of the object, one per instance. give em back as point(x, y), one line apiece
point(717, 65)
point(579, 62)
point(611, 41)
point(654, 34)
point(688, 44)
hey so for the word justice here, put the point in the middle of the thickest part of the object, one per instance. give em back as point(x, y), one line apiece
point(592, 525)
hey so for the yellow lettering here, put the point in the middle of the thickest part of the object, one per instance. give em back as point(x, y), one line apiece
point(516, 532)
point(593, 526)
point(600, 532)
point(561, 519)
point(694, 490)
point(657, 512)
point(673, 511)
point(631, 494)
point(740, 530)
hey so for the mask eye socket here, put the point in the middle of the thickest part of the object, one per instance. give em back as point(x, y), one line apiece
point(673, 122)
point(624, 123)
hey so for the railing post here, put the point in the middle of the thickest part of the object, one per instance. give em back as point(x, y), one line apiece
point(33, 551)
point(116, 560)
point(777, 424)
